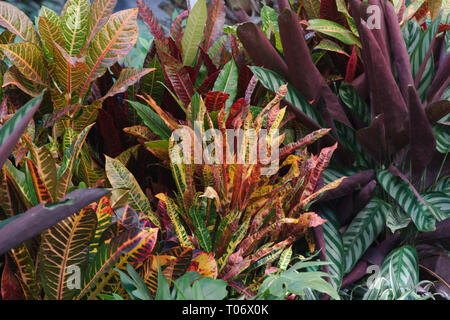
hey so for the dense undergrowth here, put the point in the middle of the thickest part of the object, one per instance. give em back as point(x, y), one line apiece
point(351, 103)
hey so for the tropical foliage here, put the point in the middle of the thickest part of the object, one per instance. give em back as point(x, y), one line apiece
point(323, 130)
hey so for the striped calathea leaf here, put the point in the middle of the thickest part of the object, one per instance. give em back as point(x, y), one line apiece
point(422, 214)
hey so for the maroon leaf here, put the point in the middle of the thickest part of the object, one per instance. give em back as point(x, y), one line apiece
point(177, 75)
point(209, 64)
point(349, 185)
point(373, 138)
point(440, 81)
point(39, 218)
point(208, 83)
point(386, 96)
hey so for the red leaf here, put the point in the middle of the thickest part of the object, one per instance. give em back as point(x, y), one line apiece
point(215, 100)
point(208, 83)
point(209, 64)
point(351, 66)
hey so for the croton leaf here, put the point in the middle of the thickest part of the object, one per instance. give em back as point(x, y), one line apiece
point(335, 30)
point(128, 77)
point(99, 13)
point(121, 178)
point(116, 253)
point(214, 23)
point(74, 25)
point(408, 198)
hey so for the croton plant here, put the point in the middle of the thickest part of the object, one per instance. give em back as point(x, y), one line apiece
point(352, 95)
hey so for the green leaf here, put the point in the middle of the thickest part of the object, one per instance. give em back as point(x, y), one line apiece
point(363, 230)
point(28, 59)
point(112, 42)
point(329, 45)
point(193, 33)
point(442, 133)
point(418, 56)
point(396, 219)
point(121, 178)
point(334, 30)
point(227, 82)
point(334, 248)
point(272, 81)
point(151, 120)
point(414, 206)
